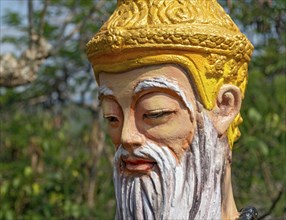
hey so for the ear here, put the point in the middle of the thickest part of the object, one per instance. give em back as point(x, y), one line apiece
point(227, 106)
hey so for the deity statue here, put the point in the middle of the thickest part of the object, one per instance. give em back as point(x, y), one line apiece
point(172, 75)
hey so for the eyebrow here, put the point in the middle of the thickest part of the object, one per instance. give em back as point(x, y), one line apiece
point(104, 91)
point(162, 82)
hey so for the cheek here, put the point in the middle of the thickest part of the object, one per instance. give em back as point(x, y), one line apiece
point(115, 135)
point(177, 134)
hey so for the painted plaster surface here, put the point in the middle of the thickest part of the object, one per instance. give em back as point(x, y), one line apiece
point(169, 155)
point(172, 75)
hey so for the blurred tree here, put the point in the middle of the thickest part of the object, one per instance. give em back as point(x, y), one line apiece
point(52, 160)
point(55, 161)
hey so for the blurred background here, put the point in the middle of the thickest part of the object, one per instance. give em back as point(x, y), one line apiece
point(55, 158)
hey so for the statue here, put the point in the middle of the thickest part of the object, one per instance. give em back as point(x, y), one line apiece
point(171, 78)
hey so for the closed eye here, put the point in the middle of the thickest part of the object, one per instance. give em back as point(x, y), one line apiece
point(111, 119)
point(157, 114)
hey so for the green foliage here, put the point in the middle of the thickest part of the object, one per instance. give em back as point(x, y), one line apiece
point(45, 165)
point(12, 18)
point(49, 167)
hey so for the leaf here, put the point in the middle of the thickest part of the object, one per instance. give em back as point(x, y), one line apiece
point(36, 188)
point(254, 115)
point(263, 147)
point(12, 18)
point(28, 171)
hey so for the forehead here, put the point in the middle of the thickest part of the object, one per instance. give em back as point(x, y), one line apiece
point(124, 83)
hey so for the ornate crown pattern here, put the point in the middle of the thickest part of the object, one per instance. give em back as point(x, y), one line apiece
point(195, 25)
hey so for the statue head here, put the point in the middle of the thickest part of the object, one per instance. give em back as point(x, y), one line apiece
point(171, 78)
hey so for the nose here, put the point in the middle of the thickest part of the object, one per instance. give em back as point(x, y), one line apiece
point(130, 136)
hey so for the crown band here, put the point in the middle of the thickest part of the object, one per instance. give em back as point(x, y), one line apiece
point(187, 38)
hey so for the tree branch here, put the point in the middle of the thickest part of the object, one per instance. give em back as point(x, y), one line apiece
point(31, 25)
point(274, 203)
point(42, 18)
point(76, 29)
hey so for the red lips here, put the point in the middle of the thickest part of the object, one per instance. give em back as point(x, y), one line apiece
point(138, 164)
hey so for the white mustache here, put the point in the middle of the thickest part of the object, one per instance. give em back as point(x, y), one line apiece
point(150, 151)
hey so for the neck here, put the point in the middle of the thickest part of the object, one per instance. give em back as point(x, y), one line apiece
point(228, 209)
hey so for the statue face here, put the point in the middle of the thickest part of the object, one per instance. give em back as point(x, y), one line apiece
point(151, 104)
point(170, 151)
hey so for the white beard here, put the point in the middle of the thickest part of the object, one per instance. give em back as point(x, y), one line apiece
point(190, 189)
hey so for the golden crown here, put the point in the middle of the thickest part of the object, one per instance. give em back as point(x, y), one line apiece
point(145, 32)
point(194, 25)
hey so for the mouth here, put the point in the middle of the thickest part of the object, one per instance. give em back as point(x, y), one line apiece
point(133, 164)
